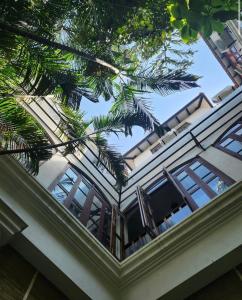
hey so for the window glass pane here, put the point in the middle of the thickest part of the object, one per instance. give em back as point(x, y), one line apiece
point(180, 214)
point(226, 142)
point(107, 220)
point(181, 175)
point(208, 177)
point(239, 132)
point(217, 185)
point(59, 194)
point(85, 188)
point(97, 202)
point(188, 182)
point(92, 227)
point(80, 197)
point(96, 210)
point(200, 197)
point(195, 165)
point(71, 174)
point(67, 182)
point(178, 170)
point(165, 225)
point(235, 146)
point(202, 171)
point(231, 129)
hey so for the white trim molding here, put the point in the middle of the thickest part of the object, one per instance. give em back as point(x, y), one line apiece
point(10, 224)
point(81, 259)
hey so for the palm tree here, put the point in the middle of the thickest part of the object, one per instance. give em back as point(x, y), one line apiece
point(23, 137)
point(73, 70)
point(33, 70)
point(52, 44)
point(33, 64)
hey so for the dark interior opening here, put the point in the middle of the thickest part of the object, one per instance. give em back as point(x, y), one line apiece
point(134, 224)
point(164, 200)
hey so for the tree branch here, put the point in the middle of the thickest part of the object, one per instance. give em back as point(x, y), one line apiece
point(46, 42)
point(76, 140)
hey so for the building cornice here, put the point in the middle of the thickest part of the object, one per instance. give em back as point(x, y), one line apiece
point(149, 258)
point(180, 237)
point(10, 224)
point(65, 224)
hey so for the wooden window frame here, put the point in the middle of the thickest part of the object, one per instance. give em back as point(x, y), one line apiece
point(199, 183)
point(92, 193)
point(232, 136)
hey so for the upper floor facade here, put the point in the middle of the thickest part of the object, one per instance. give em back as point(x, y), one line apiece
point(227, 48)
point(95, 241)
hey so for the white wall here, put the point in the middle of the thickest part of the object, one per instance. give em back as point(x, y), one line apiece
point(199, 256)
point(184, 148)
point(47, 232)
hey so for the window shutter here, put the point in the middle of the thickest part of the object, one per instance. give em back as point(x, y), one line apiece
point(147, 218)
point(113, 230)
point(177, 187)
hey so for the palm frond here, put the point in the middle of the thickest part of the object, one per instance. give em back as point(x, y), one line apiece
point(122, 121)
point(165, 83)
point(144, 110)
point(74, 124)
point(128, 102)
point(19, 131)
point(111, 158)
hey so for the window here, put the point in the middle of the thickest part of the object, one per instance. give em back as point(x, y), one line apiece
point(156, 148)
point(154, 213)
point(82, 199)
point(182, 127)
point(200, 182)
point(175, 217)
point(231, 141)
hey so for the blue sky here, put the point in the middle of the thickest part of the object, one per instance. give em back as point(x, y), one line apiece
point(213, 80)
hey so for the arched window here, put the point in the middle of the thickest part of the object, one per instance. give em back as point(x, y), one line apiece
point(82, 198)
point(231, 141)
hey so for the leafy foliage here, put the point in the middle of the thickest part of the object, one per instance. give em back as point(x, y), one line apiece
point(81, 132)
point(112, 49)
point(113, 160)
point(18, 130)
point(193, 16)
point(74, 75)
point(164, 83)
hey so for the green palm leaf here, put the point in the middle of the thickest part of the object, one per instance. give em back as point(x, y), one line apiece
point(19, 130)
point(111, 158)
point(164, 83)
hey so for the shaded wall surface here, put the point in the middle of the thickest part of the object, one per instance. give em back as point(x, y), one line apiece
point(226, 287)
point(19, 279)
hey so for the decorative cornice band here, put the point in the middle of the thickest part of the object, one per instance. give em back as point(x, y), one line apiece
point(147, 259)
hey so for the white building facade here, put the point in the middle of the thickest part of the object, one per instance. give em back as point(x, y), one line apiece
point(173, 232)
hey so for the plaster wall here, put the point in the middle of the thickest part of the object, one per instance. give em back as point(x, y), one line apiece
point(194, 259)
point(147, 154)
point(43, 234)
point(51, 169)
point(225, 162)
